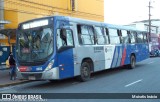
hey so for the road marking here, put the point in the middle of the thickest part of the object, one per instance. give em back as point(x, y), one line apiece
point(75, 83)
point(150, 62)
point(133, 83)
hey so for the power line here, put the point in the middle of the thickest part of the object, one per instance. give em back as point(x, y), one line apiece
point(24, 12)
point(49, 10)
point(57, 8)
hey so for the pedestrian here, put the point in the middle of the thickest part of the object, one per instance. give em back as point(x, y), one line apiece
point(12, 67)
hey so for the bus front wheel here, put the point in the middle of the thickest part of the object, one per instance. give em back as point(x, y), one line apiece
point(85, 72)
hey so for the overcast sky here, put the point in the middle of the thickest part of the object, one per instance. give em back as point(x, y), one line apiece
point(127, 11)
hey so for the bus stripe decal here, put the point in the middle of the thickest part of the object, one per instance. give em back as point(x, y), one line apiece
point(115, 58)
point(123, 56)
point(120, 56)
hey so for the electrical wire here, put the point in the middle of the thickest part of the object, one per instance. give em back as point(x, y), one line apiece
point(50, 10)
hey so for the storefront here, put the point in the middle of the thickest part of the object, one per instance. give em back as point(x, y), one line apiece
point(7, 44)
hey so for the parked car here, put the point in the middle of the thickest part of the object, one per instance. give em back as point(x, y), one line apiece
point(155, 53)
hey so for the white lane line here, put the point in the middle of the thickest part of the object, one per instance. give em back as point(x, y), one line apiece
point(150, 62)
point(133, 83)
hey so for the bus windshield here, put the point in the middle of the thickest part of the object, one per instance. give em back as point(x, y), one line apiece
point(34, 44)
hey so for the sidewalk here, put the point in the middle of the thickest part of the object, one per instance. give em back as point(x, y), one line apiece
point(5, 78)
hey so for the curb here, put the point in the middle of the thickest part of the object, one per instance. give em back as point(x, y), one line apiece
point(14, 83)
point(4, 68)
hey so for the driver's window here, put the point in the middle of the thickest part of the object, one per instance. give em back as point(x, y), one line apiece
point(64, 38)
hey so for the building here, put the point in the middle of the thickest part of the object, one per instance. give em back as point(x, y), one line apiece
point(16, 11)
point(155, 32)
point(144, 25)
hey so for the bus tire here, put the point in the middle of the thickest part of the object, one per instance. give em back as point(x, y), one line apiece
point(85, 72)
point(132, 62)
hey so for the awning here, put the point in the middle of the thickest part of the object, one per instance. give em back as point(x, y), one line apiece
point(10, 33)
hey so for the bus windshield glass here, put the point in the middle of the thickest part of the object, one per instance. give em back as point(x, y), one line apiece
point(34, 44)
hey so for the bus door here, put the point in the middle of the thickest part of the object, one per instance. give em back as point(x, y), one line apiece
point(65, 45)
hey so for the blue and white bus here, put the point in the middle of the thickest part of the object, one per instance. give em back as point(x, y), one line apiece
point(60, 47)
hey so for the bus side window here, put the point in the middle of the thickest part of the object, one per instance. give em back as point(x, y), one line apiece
point(132, 37)
point(124, 36)
point(139, 37)
point(92, 35)
point(145, 38)
point(64, 38)
point(85, 34)
point(120, 35)
point(79, 34)
point(128, 34)
point(101, 39)
point(107, 35)
point(114, 38)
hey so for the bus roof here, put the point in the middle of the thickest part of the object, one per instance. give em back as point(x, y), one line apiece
point(89, 22)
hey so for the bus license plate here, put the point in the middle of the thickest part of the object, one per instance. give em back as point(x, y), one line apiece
point(32, 78)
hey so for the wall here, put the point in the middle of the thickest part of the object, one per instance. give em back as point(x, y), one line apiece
point(18, 11)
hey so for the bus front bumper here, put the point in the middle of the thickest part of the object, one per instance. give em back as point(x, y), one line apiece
point(52, 74)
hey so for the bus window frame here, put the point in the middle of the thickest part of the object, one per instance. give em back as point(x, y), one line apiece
point(128, 34)
point(103, 34)
point(94, 35)
point(134, 33)
point(145, 40)
point(63, 48)
point(120, 35)
point(128, 38)
point(141, 39)
point(107, 34)
point(114, 36)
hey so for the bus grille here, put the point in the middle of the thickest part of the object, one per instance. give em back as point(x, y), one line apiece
point(37, 76)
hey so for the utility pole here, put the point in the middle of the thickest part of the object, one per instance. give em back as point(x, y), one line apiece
point(149, 27)
point(1, 14)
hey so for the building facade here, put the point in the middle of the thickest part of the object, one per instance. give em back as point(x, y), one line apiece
point(155, 32)
point(17, 11)
point(13, 12)
point(144, 25)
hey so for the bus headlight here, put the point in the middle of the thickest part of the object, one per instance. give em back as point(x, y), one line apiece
point(49, 65)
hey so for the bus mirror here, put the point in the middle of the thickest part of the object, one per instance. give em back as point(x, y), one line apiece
point(63, 34)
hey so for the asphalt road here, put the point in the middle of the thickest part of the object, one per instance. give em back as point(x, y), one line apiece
point(145, 78)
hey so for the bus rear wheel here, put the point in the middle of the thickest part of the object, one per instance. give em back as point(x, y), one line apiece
point(132, 62)
point(85, 72)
